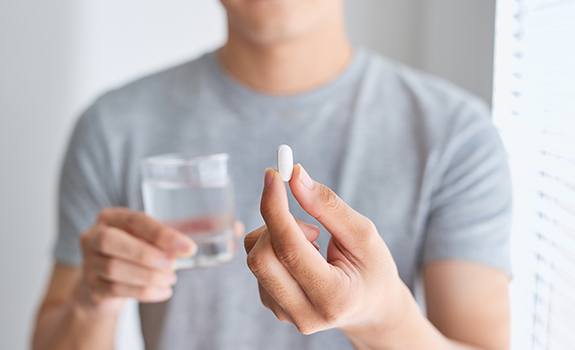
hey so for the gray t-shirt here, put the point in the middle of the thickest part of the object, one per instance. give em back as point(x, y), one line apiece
point(413, 153)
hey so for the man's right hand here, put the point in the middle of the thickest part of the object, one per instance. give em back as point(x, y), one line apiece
point(127, 254)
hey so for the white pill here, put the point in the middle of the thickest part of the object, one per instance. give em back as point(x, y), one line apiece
point(285, 162)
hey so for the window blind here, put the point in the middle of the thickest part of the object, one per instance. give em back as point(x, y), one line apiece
point(534, 108)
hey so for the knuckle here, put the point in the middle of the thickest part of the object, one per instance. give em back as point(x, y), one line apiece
point(330, 316)
point(329, 198)
point(366, 230)
point(264, 209)
point(288, 257)
point(331, 313)
point(369, 226)
point(267, 208)
point(256, 264)
point(366, 226)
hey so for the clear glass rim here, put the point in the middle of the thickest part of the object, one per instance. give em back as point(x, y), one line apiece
point(180, 159)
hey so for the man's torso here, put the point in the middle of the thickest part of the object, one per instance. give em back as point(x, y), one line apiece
point(371, 135)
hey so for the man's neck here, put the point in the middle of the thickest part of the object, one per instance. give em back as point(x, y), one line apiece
point(289, 67)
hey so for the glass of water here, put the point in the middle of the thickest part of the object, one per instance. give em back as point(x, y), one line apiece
point(194, 196)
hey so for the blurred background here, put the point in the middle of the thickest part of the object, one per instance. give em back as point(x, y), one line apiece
point(57, 56)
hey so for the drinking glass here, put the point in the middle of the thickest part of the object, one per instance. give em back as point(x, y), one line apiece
point(195, 196)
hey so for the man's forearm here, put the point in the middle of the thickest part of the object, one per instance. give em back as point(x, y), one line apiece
point(412, 331)
point(72, 326)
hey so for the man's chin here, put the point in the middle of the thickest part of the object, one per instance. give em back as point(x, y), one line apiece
point(276, 32)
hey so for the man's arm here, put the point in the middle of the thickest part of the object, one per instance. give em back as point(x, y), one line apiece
point(357, 288)
point(125, 254)
point(62, 323)
point(468, 302)
point(467, 308)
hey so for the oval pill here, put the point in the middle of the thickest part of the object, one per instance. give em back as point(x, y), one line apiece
point(285, 162)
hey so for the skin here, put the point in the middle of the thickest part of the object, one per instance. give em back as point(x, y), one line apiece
point(356, 288)
point(281, 47)
point(126, 254)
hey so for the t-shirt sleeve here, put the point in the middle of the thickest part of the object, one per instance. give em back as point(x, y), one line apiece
point(470, 210)
point(85, 185)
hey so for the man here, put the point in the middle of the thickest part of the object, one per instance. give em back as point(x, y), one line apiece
point(415, 156)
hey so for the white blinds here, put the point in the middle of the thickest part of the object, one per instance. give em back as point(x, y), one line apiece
point(534, 106)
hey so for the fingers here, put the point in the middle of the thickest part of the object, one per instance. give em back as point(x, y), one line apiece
point(270, 303)
point(201, 224)
point(121, 271)
point(280, 287)
point(348, 226)
point(140, 225)
point(114, 242)
point(289, 243)
point(310, 231)
point(105, 289)
point(288, 240)
point(119, 265)
point(130, 255)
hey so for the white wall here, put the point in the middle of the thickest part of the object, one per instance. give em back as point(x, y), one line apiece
point(56, 56)
point(456, 42)
point(34, 117)
point(449, 38)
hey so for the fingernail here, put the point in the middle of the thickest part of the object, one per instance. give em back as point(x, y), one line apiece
point(305, 179)
point(185, 246)
point(268, 177)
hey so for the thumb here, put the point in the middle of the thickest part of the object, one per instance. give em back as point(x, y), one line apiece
point(349, 227)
